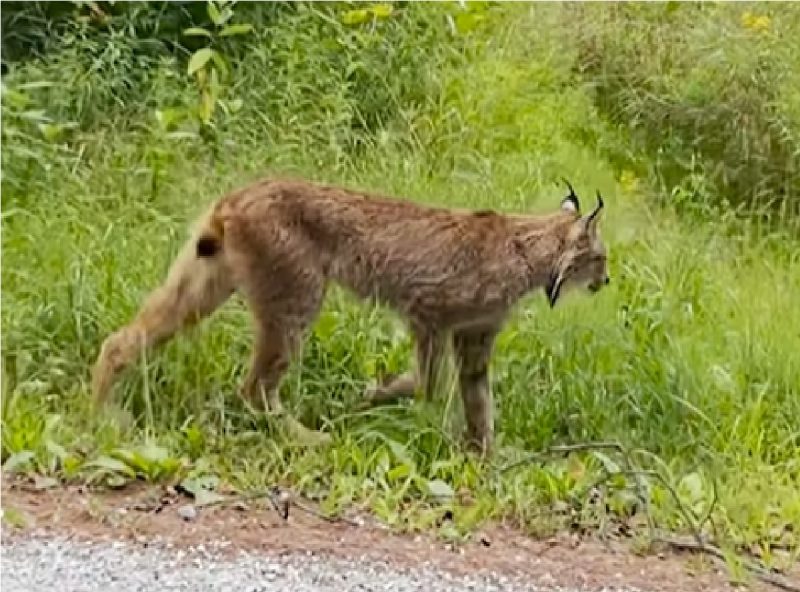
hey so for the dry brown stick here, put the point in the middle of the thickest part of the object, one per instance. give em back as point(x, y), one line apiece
point(318, 514)
point(698, 544)
point(280, 500)
point(765, 574)
point(552, 451)
point(712, 505)
point(602, 445)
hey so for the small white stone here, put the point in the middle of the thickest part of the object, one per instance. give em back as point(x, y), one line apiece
point(187, 512)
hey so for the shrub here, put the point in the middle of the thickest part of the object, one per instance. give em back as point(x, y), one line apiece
point(701, 88)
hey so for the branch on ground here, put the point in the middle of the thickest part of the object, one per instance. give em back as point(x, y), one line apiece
point(697, 543)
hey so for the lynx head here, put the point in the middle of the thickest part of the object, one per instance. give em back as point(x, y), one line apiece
point(582, 261)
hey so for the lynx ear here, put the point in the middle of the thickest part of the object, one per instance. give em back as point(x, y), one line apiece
point(591, 219)
point(571, 202)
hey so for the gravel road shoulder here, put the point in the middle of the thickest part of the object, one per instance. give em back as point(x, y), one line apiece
point(146, 545)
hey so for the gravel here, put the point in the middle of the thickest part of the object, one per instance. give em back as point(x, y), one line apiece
point(45, 564)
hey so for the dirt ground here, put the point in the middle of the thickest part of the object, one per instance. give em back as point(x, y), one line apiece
point(140, 514)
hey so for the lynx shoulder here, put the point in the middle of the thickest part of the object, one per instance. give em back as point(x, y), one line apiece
point(453, 274)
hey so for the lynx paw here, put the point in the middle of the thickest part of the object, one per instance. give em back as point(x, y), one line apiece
point(304, 435)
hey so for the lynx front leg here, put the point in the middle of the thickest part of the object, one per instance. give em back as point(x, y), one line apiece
point(270, 361)
point(275, 348)
point(430, 349)
point(473, 351)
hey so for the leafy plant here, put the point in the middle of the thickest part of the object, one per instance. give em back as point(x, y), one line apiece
point(684, 357)
point(208, 65)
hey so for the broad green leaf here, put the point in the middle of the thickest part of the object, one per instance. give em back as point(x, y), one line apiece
point(608, 464)
point(152, 453)
point(220, 63)
point(169, 466)
point(355, 17)
point(131, 459)
point(167, 118)
point(240, 29)
point(206, 107)
point(195, 484)
point(477, 5)
point(14, 517)
point(398, 472)
point(113, 465)
point(381, 10)
point(213, 13)
point(618, 481)
point(213, 83)
point(225, 15)
point(438, 488)
point(197, 32)
point(51, 422)
point(71, 465)
point(326, 325)
point(202, 489)
point(205, 497)
point(16, 99)
point(51, 131)
point(575, 468)
point(115, 481)
point(692, 487)
point(399, 451)
point(18, 460)
point(56, 450)
point(199, 59)
point(35, 115)
point(467, 22)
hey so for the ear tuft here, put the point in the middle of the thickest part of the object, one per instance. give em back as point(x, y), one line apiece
point(571, 202)
point(598, 208)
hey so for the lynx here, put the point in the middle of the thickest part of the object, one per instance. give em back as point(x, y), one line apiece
point(454, 275)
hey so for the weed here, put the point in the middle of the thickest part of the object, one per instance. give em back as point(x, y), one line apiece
point(690, 361)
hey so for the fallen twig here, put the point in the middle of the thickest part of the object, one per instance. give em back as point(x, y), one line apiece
point(558, 450)
point(766, 575)
point(695, 525)
point(318, 514)
point(281, 500)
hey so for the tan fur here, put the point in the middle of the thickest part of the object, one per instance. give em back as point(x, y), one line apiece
point(454, 275)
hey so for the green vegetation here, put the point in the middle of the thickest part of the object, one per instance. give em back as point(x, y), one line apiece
point(685, 116)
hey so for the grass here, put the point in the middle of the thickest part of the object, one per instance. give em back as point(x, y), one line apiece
point(690, 360)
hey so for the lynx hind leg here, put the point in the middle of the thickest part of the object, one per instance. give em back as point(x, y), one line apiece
point(473, 352)
point(430, 349)
point(399, 387)
point(280, 332)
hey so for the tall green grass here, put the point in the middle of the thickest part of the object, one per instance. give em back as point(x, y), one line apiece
point(690, 359)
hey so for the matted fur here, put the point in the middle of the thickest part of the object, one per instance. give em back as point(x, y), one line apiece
point(453, 274)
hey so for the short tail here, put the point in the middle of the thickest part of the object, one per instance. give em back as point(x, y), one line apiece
point(198, 282)
point(210, 235)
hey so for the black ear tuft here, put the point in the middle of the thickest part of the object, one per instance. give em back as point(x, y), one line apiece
point(571, 202)
point(597, 208)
